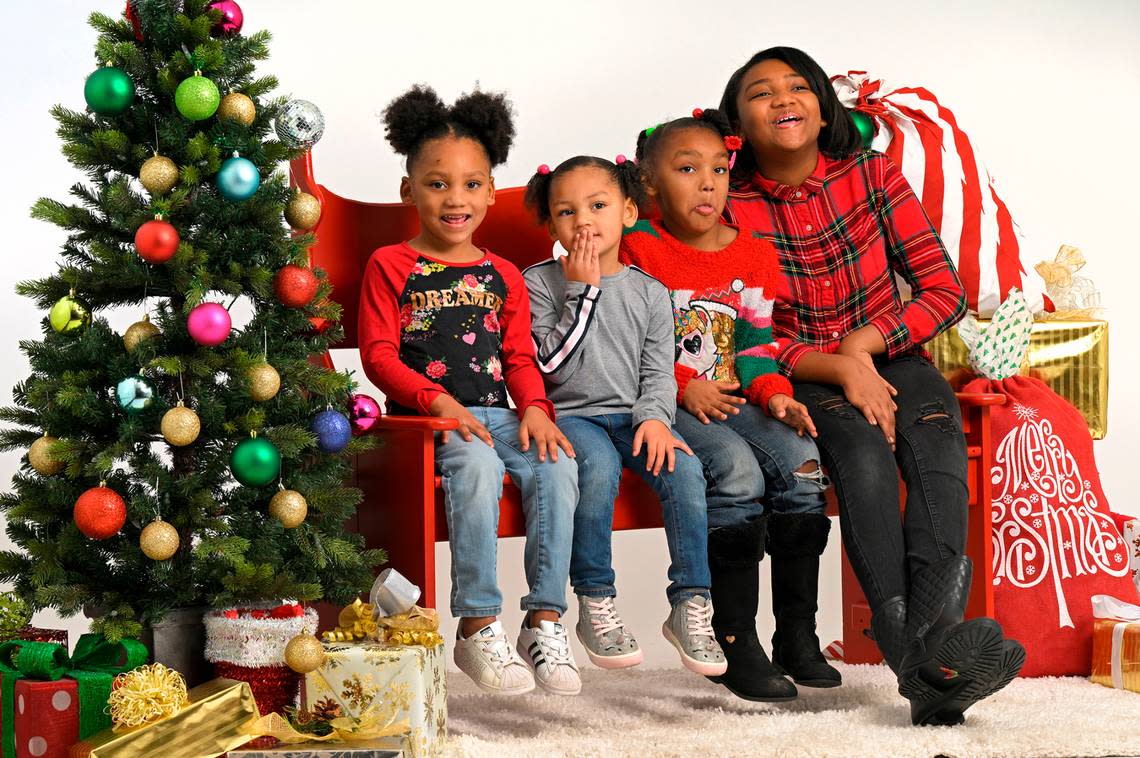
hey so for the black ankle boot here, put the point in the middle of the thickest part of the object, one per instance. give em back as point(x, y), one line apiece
point(734, 561)
point(888, 630)
point(951, 664)
point(795, 542)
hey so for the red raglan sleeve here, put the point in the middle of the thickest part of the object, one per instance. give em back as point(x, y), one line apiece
point(378, 332)
point(524, 381)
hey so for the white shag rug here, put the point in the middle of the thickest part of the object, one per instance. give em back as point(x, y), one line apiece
point(670, 712)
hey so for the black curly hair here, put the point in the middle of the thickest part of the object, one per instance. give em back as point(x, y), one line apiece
point(418, 116)
point(625, 174)
point(837, 139)
point(650, 140)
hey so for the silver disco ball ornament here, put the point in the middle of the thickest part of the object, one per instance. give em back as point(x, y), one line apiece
point(300, 124)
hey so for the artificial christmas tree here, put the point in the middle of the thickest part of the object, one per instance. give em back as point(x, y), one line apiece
point(101, 400)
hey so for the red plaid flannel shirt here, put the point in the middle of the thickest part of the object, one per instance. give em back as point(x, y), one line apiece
point(841, 236)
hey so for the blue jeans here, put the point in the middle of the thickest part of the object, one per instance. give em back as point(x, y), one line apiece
point(604, 444)
point(472, 475)
point(752, 459)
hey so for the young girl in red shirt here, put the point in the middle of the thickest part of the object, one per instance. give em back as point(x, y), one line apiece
point(845, 222)
point(765, 490)
point(445, 331)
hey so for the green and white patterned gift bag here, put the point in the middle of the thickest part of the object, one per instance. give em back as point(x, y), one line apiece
point(997, 351)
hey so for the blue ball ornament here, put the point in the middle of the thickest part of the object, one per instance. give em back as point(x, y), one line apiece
point(332, 429)
point(238, 179)
point(135, 394)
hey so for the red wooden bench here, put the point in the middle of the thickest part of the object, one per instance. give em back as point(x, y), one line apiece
point(403, 503)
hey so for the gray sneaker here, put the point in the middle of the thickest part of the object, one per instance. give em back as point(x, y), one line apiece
point(689, 628)
point(602, 632)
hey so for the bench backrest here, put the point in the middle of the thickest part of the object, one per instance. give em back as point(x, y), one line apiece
point(350, 231)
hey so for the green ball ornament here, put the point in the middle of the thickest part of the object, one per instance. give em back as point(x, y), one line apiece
point(197, 98)
point(109, 91)
point(69, 314)
point(866, 127)
point(255, 462)
point(135, 394)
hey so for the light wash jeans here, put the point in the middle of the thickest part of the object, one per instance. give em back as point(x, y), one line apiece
point(749, 460)
point(472, 475)
point(604, 444)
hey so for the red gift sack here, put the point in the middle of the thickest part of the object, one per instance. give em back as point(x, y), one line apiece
point(1055, 542)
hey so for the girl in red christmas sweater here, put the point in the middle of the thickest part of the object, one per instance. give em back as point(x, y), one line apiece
point(736, 411)
point(445, 331)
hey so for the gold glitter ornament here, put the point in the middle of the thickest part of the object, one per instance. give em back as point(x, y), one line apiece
point(139, 332)
point(158, 174)
point(289, 507)
point(39, 455)
point(264, 382)
point(237, 107)
point(304, 653)
point(159, 540)
point(303, 211)
point(180, 425)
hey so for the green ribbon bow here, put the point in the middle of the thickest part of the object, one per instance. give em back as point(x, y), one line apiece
point(93, 665)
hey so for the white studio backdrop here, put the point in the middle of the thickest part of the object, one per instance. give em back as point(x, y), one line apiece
point(1046, 90)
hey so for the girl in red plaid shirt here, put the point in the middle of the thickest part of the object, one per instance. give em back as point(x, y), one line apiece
point(847, 226)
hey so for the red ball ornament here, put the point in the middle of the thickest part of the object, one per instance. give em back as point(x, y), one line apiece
point(296, 286)
point(156, 241)
point(100, 512)
point(232, 17)
point(363, 412)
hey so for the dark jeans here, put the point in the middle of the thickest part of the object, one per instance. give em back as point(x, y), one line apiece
point(885, 550)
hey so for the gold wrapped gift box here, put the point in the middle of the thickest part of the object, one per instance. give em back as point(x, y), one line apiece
point(1069, 356)
point(1116, 654)
point(217, 719)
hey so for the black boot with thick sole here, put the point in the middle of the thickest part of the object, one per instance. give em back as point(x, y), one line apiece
point(795, 542)
point(888, 630)
point(951, 664)
point(734, 561)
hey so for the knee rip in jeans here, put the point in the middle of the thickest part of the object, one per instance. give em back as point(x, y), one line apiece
point(838, 406)
point(811, 473)
point(933, 414)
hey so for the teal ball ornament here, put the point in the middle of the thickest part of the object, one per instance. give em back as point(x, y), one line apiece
point(197, 97)
point(135, 394)
point(333, 431)
point(866, 126)
point(255, 462)
point(238, 179)
point(109, 91)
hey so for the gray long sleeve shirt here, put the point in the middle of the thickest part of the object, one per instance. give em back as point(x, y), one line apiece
point(605, 349)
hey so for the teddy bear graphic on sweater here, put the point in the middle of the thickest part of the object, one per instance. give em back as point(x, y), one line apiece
point(703, 330)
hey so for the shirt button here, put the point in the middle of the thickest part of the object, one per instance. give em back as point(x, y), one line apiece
point(835, 335)
point(799, 194)
point(826, 282)
point(809, 227)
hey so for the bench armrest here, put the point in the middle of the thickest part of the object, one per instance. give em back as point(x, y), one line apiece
point(979, 398)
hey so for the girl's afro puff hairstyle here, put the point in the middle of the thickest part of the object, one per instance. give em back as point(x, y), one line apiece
point(625, 174)
point(650, 140)
point(419, 116)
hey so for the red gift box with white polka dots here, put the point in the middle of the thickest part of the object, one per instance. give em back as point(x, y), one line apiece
point(46, 718)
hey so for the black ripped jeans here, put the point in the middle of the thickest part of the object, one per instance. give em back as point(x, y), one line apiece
point(930, 451)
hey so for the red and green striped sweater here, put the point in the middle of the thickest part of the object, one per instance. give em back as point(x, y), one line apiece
point(722, 307)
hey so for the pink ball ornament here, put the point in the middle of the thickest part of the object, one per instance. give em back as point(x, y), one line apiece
point(363, 413)
point(209, 324)
point(232, 17)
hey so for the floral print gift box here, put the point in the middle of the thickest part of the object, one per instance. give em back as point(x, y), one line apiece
point(392, 683)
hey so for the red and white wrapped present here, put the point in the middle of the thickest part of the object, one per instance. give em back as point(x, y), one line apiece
point(924, 140)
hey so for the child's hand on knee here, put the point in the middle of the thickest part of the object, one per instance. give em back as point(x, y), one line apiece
point(445, 406)
point(793, 413)
point(706, 399)
point(660, 446)
point(547, 436)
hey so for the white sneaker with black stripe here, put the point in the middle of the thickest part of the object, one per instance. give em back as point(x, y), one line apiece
point(546, 650)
